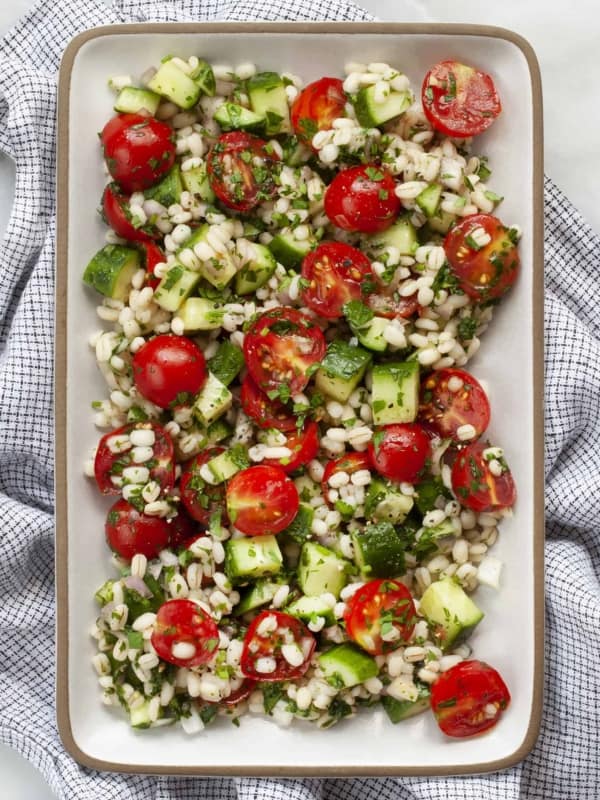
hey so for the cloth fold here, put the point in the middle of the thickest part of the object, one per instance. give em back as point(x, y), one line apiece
point(565, 762)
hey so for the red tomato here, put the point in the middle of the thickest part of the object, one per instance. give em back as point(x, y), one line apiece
point(400, 452)
point(469, 698)
point(260, 645)
point(374, 610)
point(115, 208)
point(458, 100)
point(168, 368)
point(128, 531)
point(152, 255)
point(182, 528)
point(138, 150)
point(316, 107)
point(201, 499)
point(336, 273)
point(108, 464)
point(280, 346)
point(474, 484)
point(362, 199)
point(352, 462)
point(264, 412)
point(304, 445)
point(245, 690)
point(261, 500)
point(241, 170)
point(392, 305)
point(444, 410)
point(183, 622)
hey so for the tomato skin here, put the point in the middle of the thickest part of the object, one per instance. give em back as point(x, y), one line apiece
point(168, 366)
point(392, 305)
point(362, 199)
point(152, 255)
point(402, 452)
point(335, 272)
point(304, 445)
point(459, 100)
point(264, 412)
point(279, 348)
point(460, 695)
point(184, 621)
point(475, 486)
point(115, 208)
point(261, 500)
point(387, 598)
point(350, 463)
point(444, 411)
point(200, 499)
point(316, 107)
point(269, 645)
point(244, 691)
point(129, 531)
point(182, 529)
point(139, 150)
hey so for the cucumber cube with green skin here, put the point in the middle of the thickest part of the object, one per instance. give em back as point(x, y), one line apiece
point(204, 77)
point(289, 251)
point(429, 199)
point(213, 400)
point(226, 362)
point(175, 287)
point(372, 335)
point(300, 528)
point(139, 717)
point(321, 570)
point(225, 465)
point(168, 191)
point(256, 271)
point(309, 608)
point(442, 222)
point(450, 612)
point(196, 182)
point(341, 370)
point(268, 99)
point(200, 314)
point(378, 551)
point(395, 392)
point(231, 116)
point(397, 710)
point(346, 665)
point(401, 234)
point(252, 557)
point(217, 431)
point(133, 101)
point(110, 271)
point(171, 82)
point(104, 595)
point(384, 502)
point(258, 595)
point(370, 113)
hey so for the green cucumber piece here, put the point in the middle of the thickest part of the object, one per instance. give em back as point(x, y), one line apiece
point(225, 465)
point(252, 557)
point(429, 199)
point(308, 608)
point(450, 612)
point(255, 272)
point(175, 287)
point(258, 595)
point(442, 222)
point(196, 181)
point(217, 431)
point(300, 528)
point(397, 710)
point(110, 271)
point(226, 362)
point(379, 551)
point(384, 502)
point(139, 717)
point(290, 251)
point(104, 595)
point(268, 99)
point(395, 392)
point(133, 101)
point(213, 400)
point(345, 665)
point(231, 116)
point(341, 370)
point(200, 314)
point(171, 82)
point(428, 491)
point(372, 335)
point(168, 191)
point(321, 570)
point(370, 114)
point(401, 234)
point(204, 77)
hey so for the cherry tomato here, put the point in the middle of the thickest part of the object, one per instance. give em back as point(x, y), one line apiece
point(138, 150)
point(152, 255)
point(392, 305)
point(336, 273)
point(109, 464)
point(201, 499)
point(241, 170)
point(445, 410)
point(475, 485)
point(168, 368)
point(316, 107)
point(264, 412)
point(182, 529)
point(349, 463)
point(262, 645)
point(376, 610)
point(184, 634)
point(362, 199)
point(241, 693)
point(129, 531)
point(304, 445)
point(279, 348)
point(469, 698)
point(400, 452)
point(459, 100)
point(261, 500)
point(115, 208)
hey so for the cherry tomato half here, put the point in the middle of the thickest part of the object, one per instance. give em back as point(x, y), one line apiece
point(109, 464)
point(168, 368)
point(261, 500)
point(459, 100)
point(380, 616)
point(182, 529)
point(129, 531)
point(316, 107)
point(349, 463)
point(400, 452)
point(304, 446)
point(152, 256)
point(243, 691)
point(445, 409)
point(279, 348)
point(474, 484)
point(115, 208)
point(392, 305)
point(139, 150)
point(336, 273)
point(264, 412)
point(241, 170)
point(201, 499)
point(362, 199)
point(184, 634)
point(469, 698)
point(484, 271)
point(263, 655)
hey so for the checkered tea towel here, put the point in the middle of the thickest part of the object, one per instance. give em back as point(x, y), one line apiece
point(565, 764)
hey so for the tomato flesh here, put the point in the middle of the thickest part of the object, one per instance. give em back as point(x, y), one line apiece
point(304, 445)
point(445, 410)
point(362, 199)
point(380, 616)
point(201, 499)
point(349, 463)
point(261, 644)
point(261, 500)
point(264, 412)
point(168, 369)
point(182, 529)
point(129, 531)
point(392, 305)
point(400, 452)
point(183, 622)
point(115, 208)
point(336, 274)
point(316, 107)
point(474, 484)
point(152, 255)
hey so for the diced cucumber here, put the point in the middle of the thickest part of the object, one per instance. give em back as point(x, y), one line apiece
point(268, 99)
point(428, 492)
point(213, 400)
point(345, 665)
point(217, 431)
point(397, 710)
point(197, 235)
point(395, 392)
point(175, 287)
point(139, 717)
point(226, 362)
point(252, 557)
point(429, 199)
point(378, 551)
point(370, 113)
point(171, 82)
point(290, 251)
point(168, 191)
point(450, 611)
point(258, 595)
point(308, 608)
point(225, 465)
point(385, 502)
point(372, 335)
point(200, 314)
point(231, 116)
point(196, 181)
point(204, 77)
point(110, 271)
point(257, 271)
point(133, 101)
point(321, 570)
point(307, 488)
point(104, 595)
point(300, 528)
point(219, 270)
point(430, 538)
point(442, 222)
point(401, 234)
point(341, 370)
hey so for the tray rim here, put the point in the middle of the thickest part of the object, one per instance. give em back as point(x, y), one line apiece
point(60, 381)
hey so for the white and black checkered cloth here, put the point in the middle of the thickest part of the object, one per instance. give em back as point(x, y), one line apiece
point(565, 764)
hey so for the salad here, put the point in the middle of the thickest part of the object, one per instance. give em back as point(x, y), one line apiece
point(301, 493)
